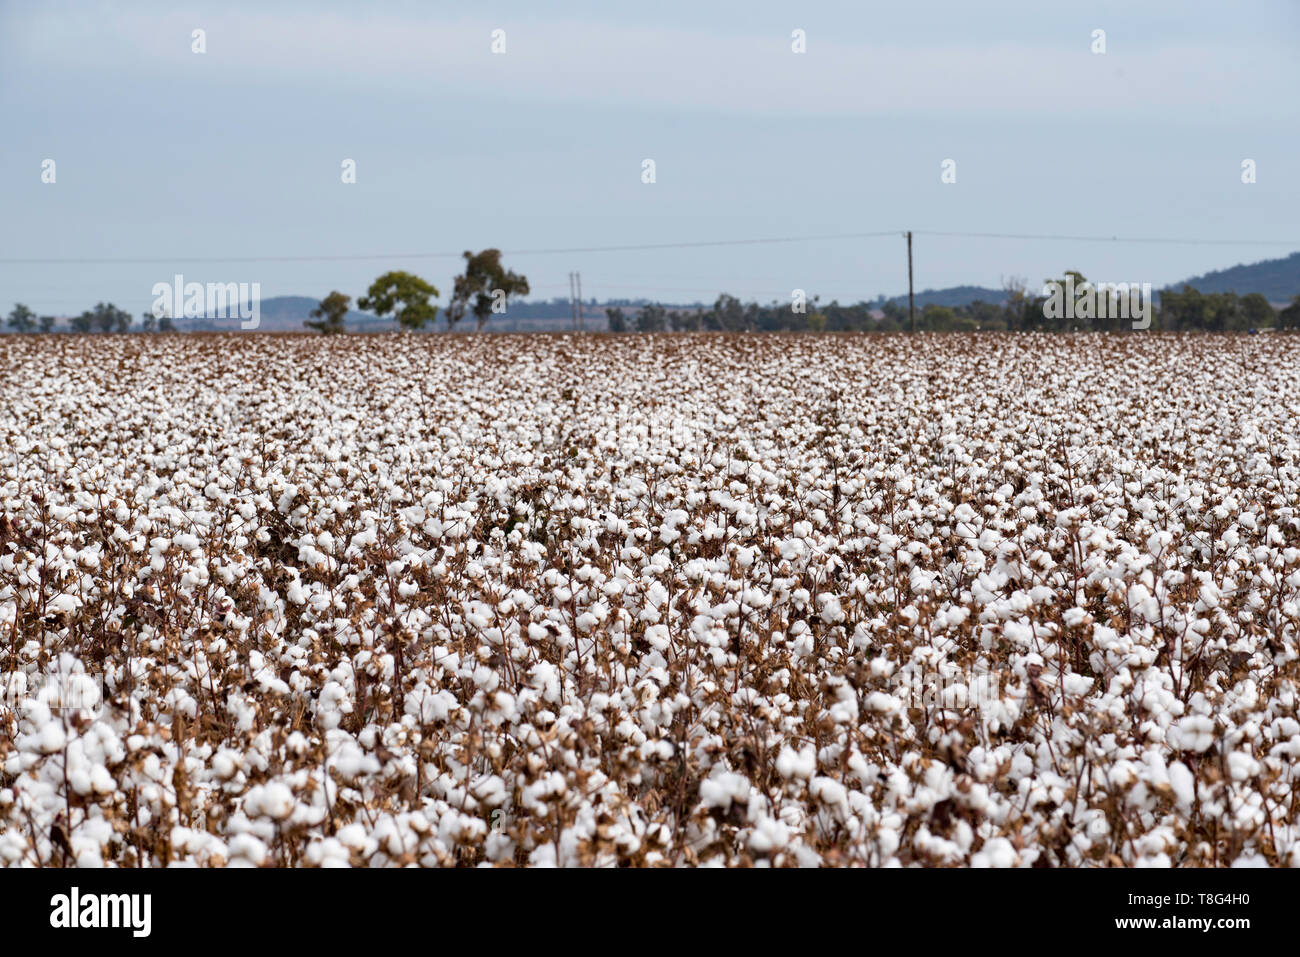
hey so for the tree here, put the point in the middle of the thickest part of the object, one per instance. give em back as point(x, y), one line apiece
point(165, 323)
point(488, 283)
point(728, 314)
point(895, 313)
point(652, 318)
point(47, 323)
point(1016, 308)
point(1289, 318)
point(1224, 312)
point(1257, 311)
point(82, 323)
point(404, 295)
point(330, 313)
point(107, 318)
point(1182, 310)
point(22, 319)
point(148, 322)
point(938, 318)
point(616, 320)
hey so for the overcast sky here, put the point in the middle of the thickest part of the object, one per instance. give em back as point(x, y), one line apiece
point(175, 157)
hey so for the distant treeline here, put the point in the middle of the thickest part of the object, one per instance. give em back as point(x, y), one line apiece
point(1187, 310)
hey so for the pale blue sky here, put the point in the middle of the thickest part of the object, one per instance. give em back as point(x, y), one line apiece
point(167, 154)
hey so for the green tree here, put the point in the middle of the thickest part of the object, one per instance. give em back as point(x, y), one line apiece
point(616, 320)
point(1015, 310)
point(83, 323)
point(817, 322)
point(107, 317)
point(1257, 311)
point(47, 323)
point(148, 322)
point(487, 283)
point(939, 318)
point(1185, 309)
point(895, 313)
point(652, 318)
point(329, 314)
point(404, 295)
point(1289, 318)
point(728, 314)
point(22, 319)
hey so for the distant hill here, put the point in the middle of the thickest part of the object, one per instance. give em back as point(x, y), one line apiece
point(954, 296)
point(1277, 279)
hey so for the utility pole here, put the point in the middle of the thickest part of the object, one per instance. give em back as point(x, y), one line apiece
point(911, 302)
point(582, 324)
point(573, 309)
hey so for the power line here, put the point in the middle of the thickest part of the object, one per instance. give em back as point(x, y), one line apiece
point(1115, 239)
point(384, 256)
point(644, 247)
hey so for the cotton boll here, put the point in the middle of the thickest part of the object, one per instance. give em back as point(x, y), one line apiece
point(1193, 733)
point(797, 764)
point(997, 852)
point(1183, 784)
point(247, 851)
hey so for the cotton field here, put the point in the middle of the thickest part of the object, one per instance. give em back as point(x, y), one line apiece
point(1016, 600)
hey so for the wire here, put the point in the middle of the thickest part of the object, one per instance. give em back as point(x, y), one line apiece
point(641, 247)
point(515, 252)
point(1113, 239)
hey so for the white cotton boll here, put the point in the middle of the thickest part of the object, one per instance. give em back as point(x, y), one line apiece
point(1193, 733)
point(657, 637)
point(52, 737)
point(504, 705)
point(1183, 784)
point(831, 793)
point(329, 852)
point(831, 611)
point(1074, 616)
point(63, 604)
point(352, 836)
point(721, 789)
point(79, 780)
point(486, 678)
point(1241, 766)
point(101, 782)
point(223, 765)
point(883, 703)
point(768, 835)
point(429, 707)
point(247, 851)
point(273, 800)
point(1077, 684)
point(797, 764)
point(997, 852)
